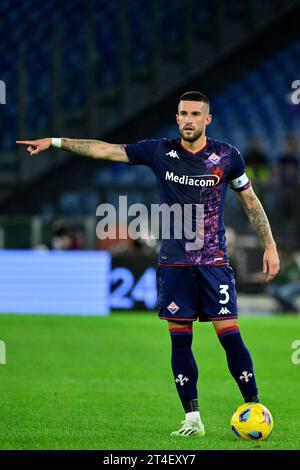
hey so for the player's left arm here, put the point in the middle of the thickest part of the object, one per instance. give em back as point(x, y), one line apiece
point(260, 223)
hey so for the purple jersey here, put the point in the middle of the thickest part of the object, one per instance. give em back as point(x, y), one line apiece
point(187, 178)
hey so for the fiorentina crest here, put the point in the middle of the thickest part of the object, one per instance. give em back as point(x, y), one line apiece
point(173, 308)
point(214, 158)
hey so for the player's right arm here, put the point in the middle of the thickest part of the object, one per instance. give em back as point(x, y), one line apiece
point(87, 148)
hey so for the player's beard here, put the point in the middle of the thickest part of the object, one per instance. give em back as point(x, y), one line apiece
point(196, 135)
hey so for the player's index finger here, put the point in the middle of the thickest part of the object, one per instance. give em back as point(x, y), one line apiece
point(27, 142)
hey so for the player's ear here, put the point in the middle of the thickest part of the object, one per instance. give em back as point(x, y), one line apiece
point(177, 118)
point(208, 119)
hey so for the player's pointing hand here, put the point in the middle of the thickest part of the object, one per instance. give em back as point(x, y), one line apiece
point(36, 146)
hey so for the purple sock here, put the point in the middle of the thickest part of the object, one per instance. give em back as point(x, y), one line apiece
point(239, 362)
point(184, 367)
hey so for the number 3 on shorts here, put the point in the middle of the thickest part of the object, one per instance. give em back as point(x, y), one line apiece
point(223, 291)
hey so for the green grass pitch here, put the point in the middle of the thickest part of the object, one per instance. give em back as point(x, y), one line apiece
point(106, 383)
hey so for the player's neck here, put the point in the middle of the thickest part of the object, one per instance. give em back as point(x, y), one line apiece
point(195, 146)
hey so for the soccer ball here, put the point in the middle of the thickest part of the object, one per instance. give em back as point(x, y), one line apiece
point(252, 421)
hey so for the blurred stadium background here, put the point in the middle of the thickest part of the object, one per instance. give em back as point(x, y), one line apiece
point(114, 71)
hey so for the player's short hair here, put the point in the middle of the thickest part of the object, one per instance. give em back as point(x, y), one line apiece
point(194, 96)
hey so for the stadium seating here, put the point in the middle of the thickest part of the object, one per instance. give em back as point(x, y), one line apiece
point(256, 104)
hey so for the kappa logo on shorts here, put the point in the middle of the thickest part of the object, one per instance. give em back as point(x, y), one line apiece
point(173, 308)
point(224, 311)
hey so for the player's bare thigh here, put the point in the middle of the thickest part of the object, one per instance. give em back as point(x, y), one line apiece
point(172, 325)
point(220, 325)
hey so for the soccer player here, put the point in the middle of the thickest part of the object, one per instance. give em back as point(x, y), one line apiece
point(195, 281)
